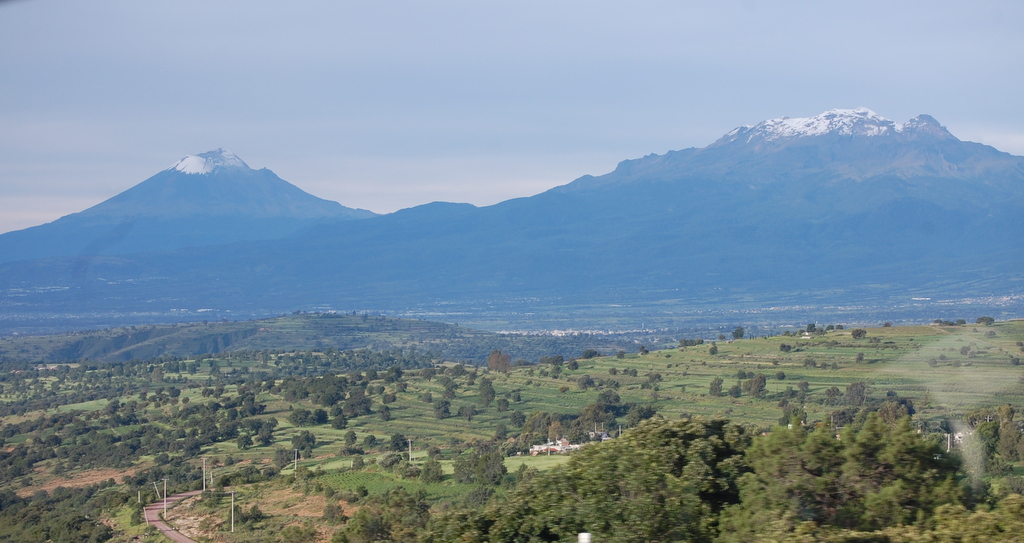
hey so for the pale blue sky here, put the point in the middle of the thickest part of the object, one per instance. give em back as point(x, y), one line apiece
point(385, 105)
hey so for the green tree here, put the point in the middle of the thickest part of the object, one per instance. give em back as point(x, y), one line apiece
point(442, 409)
point(357, 404)
point(875, 476)
point(265, 436)
point(301, 417)
point(431, 472)
point(792, 471)
point(463, 467)
point(664, 481)
point(398, 442)
point(486, 392)
point(1010, 439)
point(639, 413)
point(244, 441)
point(716, 387)
point(738, 332)
point(304, 441)
point(892, 412)
point(890, 472)
point(856, 393)
point(282, 457)
point(467, 412)
point(755, 387)
point(833, 396)
point(489, 469)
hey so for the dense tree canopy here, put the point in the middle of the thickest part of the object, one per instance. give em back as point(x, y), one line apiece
point(875, 476)
point(664, 481)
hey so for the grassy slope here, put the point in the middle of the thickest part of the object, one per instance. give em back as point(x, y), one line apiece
point(898, 361)
point(925, 363)
point(299, 332)
point(295, 332)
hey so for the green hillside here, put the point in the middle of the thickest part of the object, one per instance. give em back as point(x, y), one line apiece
point(351, 414)
point(296, 332)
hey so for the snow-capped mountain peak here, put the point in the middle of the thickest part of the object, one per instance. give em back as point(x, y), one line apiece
point(847, 122)
point(859, 122)
point(208, 161)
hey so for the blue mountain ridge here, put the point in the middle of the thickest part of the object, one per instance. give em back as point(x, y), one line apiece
point(844, 207)
point(207, 199)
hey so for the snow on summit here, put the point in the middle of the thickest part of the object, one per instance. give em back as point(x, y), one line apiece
point(208, 161)
point(861, 122)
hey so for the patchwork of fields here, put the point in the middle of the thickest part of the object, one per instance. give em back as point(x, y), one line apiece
point(943, 375)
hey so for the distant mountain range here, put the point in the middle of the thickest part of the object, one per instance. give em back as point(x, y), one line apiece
point(206, 199)
point(842, 209)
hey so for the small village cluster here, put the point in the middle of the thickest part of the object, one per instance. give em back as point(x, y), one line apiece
point(563, 445)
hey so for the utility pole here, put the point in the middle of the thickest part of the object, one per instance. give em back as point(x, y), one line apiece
point(165, 498)
point(157, 489)
point(410, 450)
point(296, 468)
point(204, 474)
point(232, 512)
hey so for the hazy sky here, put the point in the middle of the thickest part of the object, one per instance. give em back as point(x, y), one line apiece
point(385, 105)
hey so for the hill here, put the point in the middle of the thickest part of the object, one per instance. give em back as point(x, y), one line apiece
point(299, 332)
point(845, 213)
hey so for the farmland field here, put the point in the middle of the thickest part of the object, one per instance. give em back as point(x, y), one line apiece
point(250, 413)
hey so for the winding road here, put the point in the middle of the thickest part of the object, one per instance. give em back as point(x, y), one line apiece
point(153, 511)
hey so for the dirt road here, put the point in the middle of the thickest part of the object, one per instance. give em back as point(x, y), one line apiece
point(153, 511)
